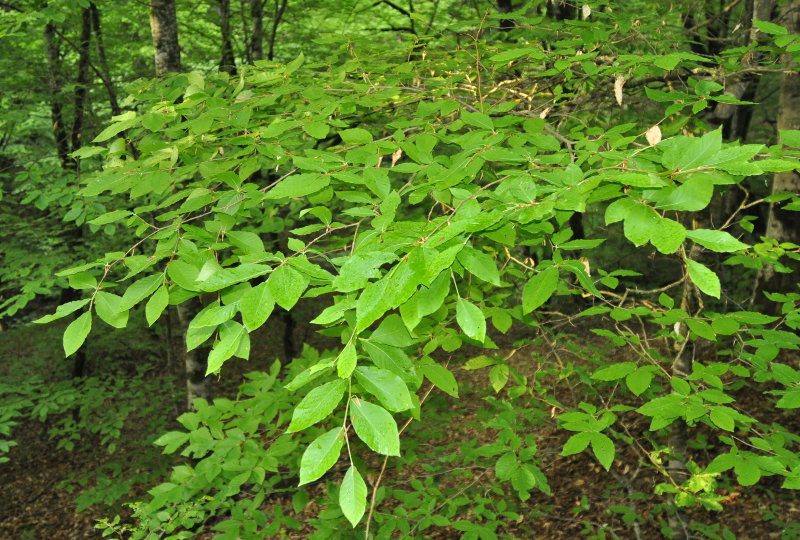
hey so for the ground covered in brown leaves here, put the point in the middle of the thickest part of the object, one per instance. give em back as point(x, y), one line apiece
point(448, 469)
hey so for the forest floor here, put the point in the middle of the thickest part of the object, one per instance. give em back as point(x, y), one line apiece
point(37, 499)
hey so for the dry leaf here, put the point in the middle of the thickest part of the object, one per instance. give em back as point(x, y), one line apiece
point(396, 156)
point(586, 11)
point(543, 114)
point(619, 82)
point(653, 135)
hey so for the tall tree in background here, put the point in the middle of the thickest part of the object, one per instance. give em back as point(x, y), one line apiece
point(784, 225)
point(255, 45)
point(164, 27)
point(227, 63)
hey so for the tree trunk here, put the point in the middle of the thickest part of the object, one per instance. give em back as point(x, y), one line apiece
point(82, 80)
point(164, 27)
point(255, 47)
point(196, 360)
point(227, 62)
point(505, 6)
point(54, 86)
point(104, 72)
point(280, 7)
point(784, 225)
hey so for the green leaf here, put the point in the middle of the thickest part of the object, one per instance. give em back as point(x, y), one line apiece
point(498, 377)
point(230, 337)
point(480, 120)
point(790, 400)
point(539, 289)
point(638, 381)
point(720, 241)
point(702, 329)
point(139, 290)
point(386, 386)
point(790, 137)
point(346, 361)
point(479, 264)
point(213, 315)
point(375, 426)
point(506, 466)
point(115, 129)
point(371, 305)
point(318, 130)
point(299, 185)
point(471, 320)
point(614, 371)
point(641, 222)
point(603, 449)
point(321, 455)
point(317, 405)
point(770, 28)
point(668, 236)
point(441, 377)
point(706, 280)
point(576, 443)
point(356, 136)
point(748, 473)
point(82, 281)
point(286, 285)
point(76, 333)
point(722, 419)
point(63, 310)
point(226, 277)
point(691, 152)
point(392, 332)
point(156, 305)
point(693, 195)
point(256, 306)
point(353, 496)
point(107, 307)
point(392, 359)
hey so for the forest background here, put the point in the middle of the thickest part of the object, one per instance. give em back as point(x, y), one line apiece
point(399, 269)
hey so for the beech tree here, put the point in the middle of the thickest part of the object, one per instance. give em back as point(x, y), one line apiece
point(443, 201)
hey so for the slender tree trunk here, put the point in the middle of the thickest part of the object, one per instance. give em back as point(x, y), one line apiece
point(227, 62)
point(164, 27)
point(280, 8)
point(505, 6)
point(54, 86)
point(104, 71)
point(255, 46)
point(82, 80)
point(784, 225)
point(196, 360)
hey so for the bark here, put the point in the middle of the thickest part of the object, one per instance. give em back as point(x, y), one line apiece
point(256, 44)
point(783, 225)
point(82, 80)
point(196, 360)
point(164, 27)
point(104, 72)
point(227, 63)
point(735, 119)
point(53, 86)
point(505, 6)
point(280, 8)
